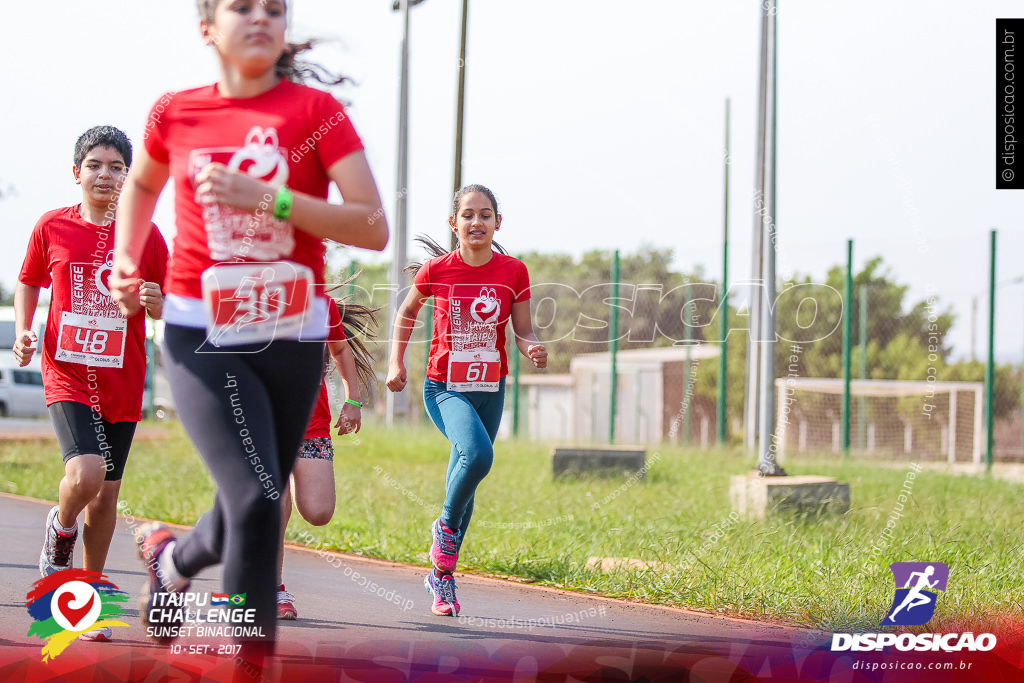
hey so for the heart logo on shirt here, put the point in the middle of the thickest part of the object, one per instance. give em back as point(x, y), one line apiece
point(260, 157)
point(486, 308)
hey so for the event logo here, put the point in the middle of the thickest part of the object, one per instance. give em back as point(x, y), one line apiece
point(486, 307)
point(68, 603)
point(914, 603)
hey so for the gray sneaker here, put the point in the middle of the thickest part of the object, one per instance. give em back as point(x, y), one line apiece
point(58, 549)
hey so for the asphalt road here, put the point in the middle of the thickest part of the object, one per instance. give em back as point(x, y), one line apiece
point(359, 615)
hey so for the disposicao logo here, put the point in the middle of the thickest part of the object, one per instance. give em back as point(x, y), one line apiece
point(66, 604)
point(913, 604)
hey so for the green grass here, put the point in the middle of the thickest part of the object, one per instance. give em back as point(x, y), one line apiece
point(789, 569)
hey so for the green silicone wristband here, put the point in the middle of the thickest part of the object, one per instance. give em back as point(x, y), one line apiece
point(283, 203)
point(355, 403)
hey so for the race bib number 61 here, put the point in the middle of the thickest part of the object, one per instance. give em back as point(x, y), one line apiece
point(476, 370)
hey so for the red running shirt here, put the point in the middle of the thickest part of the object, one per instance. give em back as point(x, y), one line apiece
point(320, 422)
point(91, 353)
point(290, 134)
point(472, 305)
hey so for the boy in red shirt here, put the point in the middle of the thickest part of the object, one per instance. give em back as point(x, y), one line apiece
point(94, 360)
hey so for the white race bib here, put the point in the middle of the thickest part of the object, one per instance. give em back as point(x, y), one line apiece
point(474, 370)
point(91, 340)
point(250, 303)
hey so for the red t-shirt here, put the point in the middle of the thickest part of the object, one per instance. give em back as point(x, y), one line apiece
point(91, 353)
point(290, 134)
point(320, 422)
point(472, 305)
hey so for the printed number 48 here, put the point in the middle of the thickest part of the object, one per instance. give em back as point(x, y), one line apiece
point(476, 372)
point(96, 345)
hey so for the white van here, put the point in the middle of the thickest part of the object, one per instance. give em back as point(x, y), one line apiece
point(21, 390)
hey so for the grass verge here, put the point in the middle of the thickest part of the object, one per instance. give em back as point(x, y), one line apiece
point(789, 569)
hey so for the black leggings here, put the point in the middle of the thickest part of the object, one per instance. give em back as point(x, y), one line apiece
point(246, 411)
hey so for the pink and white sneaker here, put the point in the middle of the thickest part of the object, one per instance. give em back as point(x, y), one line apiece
point(444, 553)
point(443, 590)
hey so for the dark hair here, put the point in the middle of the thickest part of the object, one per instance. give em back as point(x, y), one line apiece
point(434, 249)
point(357, 321)
point(463, 191)
point(287, 67)
point(103, 136)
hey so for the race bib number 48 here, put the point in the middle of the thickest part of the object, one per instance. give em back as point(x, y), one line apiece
point(256, 302)
point(475, 370)
point(91, 340)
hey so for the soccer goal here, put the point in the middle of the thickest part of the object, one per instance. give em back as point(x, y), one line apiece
point(899, 418)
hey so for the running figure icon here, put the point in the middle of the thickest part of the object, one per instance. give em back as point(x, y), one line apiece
point(914, 597)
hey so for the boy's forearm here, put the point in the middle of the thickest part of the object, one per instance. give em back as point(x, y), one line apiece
point(26, 298)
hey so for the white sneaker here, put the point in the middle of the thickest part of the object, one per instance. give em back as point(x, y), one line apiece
point(58, 548)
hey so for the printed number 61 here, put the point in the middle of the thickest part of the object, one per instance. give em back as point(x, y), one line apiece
point(98, 343)
point(476, 372)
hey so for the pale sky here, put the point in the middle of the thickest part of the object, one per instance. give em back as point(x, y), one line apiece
point(598, 124)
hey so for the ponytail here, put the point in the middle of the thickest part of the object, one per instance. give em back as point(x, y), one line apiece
point(434, 250)
point(358, 322)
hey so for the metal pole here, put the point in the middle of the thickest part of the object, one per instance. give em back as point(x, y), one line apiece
point(750, 410)
point(974, 325)
point(847, 333)
point(396, 403)
point(862, 423)
point(689, 368)
point(459, 109)
point(767, 460)
point(515, 390)
point(723, 363)
point(990, 367)
point(614, 348)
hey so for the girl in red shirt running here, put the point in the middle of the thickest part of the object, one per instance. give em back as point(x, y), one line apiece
point(476, 292)
point(251, 158)
point(312, 483)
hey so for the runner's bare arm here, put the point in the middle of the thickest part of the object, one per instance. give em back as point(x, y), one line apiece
point(350, 419)
point(151, 298)
point(25, 300)
point(358, 222)
point(145, 182)
point(526, 340)
point(404, 322)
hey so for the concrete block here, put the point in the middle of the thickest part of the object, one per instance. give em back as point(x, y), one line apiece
point(754, 497)
point(603, 461)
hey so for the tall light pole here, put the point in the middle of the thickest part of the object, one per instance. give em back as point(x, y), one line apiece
point(397, 403)
point(750, 409)
point(460, 108)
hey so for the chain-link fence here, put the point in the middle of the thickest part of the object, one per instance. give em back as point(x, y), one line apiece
point(668, 361)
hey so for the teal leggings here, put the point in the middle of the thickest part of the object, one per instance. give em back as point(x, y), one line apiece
point(470, 421)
